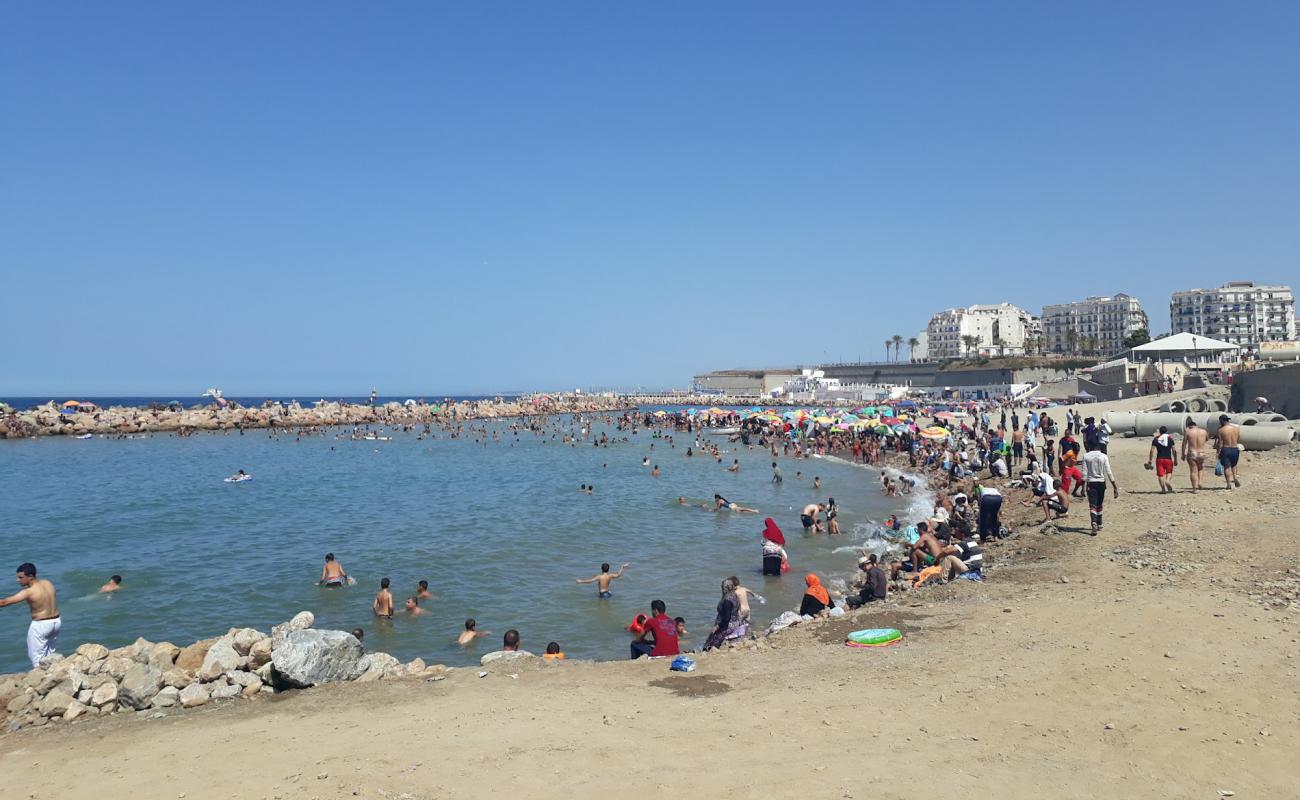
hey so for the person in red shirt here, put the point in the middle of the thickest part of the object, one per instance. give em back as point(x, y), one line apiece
point(661, 631)
point(1071, 476)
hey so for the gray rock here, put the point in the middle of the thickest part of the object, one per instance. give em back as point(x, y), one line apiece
point(221, 658)
point(9, 689)
point(196, 694)
point(21, 702)
point(55, 703)
point(163, 655)
point(310, 657)
point(117, 666)
point(301, 621)
point(167, 697)
point(139, 685)
point(226, 691)
point(252, 687)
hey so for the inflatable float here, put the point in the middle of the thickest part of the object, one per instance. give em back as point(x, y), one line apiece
point(874, 637)
point(238, 478)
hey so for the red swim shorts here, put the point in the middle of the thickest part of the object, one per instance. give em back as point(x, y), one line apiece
point(1164, 466)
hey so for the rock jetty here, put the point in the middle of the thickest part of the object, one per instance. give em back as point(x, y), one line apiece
point(146, 677)
point(51, 420)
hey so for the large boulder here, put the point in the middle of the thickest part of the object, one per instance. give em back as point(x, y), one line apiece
point(167, 697)
point(191, 658)
point(117, 666)
point(177, 678)
point(225, 691)
point(221, 658)
point(163, 655)
point(139, 686)
point(310, 657)
point(301, 621)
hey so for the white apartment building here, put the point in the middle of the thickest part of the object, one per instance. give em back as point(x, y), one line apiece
point(1099, 324)
point(1238, 312)
point(1000, 330)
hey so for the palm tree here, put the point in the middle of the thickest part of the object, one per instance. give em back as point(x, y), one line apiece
point(912, 344)
point(898, 345)
point(888, 344)
point(971, 342)
point(1072, 341)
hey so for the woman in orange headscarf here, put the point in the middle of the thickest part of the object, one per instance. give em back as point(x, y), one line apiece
point(816, 600)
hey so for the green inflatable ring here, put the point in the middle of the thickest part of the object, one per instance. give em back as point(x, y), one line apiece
point(873, 636)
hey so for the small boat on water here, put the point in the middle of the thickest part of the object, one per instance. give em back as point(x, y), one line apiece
point(722, 431)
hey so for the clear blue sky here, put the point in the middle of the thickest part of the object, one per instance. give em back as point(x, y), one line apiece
point(321, 197)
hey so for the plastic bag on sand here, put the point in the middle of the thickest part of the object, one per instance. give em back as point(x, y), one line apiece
point(682, 664)
point(782, 622)
point(837, 611)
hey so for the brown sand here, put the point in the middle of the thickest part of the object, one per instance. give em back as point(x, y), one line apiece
point(1173, 680)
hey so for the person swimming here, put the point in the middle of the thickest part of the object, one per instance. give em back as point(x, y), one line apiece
point(470, 633)
point(114, 583)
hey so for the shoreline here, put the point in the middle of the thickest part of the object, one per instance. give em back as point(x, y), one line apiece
point(1009, 679)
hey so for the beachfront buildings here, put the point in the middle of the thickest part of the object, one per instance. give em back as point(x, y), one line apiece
point(1001, 329)
point(1238, 312)
point(1096, 325)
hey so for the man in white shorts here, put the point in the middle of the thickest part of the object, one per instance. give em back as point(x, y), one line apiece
point(43, 602)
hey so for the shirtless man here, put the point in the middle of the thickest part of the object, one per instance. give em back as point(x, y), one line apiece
point(744, 594)
point(43, 603)
point(809, 517)
point(332, 574)
point(114, 583)
point(603, 580)
point(422, 592)
point(1193, 450)
point(735, 465)
point(383, 603)
point(413, 607)
point(470, 633)
point(1228, 445)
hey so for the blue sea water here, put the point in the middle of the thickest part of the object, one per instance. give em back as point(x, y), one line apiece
point(498, 529)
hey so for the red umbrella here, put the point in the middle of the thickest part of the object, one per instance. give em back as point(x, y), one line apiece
point(773, 533)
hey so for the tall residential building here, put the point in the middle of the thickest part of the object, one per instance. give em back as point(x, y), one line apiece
point(1099, 324)
point(1001, 330)
point(1239, 312)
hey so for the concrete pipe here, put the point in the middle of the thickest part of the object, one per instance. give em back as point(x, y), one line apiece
point(1148, 424)
point(1175, 407)
point(1266, 437)
point(1121, 422)
point(1218, 405)
point(1211, 421)
point(1197, 405)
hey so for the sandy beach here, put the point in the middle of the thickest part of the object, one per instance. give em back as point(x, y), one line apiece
point(1158, 659)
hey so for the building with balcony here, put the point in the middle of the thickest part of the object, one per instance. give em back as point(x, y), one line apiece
point(1001, 329)
point(1240, 313)
point(1096, 325)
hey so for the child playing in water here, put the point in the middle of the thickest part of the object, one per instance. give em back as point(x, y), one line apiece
point(470, 633)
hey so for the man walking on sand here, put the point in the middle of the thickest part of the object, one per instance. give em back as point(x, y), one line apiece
point(1162, 452)
point(1096, 471)
point(1228, 444)
point(43, 603)
point(1194, 452)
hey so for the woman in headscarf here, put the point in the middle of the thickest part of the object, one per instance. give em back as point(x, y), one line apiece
point(728, 616)
point(816, 600)
point(773, 548)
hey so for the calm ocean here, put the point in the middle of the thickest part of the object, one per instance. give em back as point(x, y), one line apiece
point(499, 531)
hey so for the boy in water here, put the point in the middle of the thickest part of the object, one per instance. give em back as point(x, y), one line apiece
point(470, 633)
point(603, 580)
point(114, 583)
point(332, 574)
point(383, 602)
point(413, 607)
point(423, 592)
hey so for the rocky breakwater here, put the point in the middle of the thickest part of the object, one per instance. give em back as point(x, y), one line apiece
point(147, 678)
point(47, 420)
